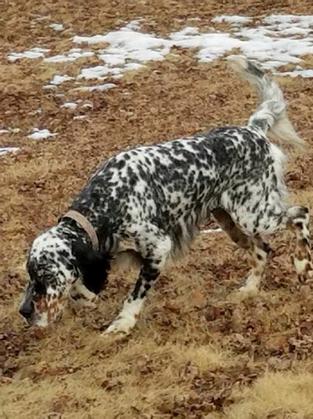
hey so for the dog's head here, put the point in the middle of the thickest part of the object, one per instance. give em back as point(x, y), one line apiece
point(52, 270)
point(57, 265)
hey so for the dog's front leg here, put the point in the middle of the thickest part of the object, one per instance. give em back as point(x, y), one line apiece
point(150, 270)
point(81, 296)
point(127, 318)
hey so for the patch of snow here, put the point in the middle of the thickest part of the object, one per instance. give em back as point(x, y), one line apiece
point(49, 87)
point(278, 40)
point(265, 43)
point(90, 40)
point(72, 55)
point(131, 42)
point(69, 105)
point(80, 117)
point(57, 79)
point(304, 21)
point(100, 87)
point(32, 54)
point(298, 72)
point(58, 27)
point(134, 25)
point(128, 49)
point(131, 67)
point(4, 131)
point(272, 43)
point(87, 106)
point(113, 59)
point(233, 20)
point(97, 72)
point(210, 45)
point(189, 30)
point(41, 134)
point(281, 40)
point(6, 150)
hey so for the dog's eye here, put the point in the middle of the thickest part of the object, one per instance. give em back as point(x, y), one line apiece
point(39, 288)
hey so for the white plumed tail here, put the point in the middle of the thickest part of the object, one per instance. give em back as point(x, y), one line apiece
point(271, 114)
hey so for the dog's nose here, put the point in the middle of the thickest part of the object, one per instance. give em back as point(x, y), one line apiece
point(26, 310)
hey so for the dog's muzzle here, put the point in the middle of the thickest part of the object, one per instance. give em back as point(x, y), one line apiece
point(27, 310)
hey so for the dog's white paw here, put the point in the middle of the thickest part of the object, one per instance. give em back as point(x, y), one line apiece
point(78, 301)
point(127, 318)
point(251, 286)
point(121, 325)
point(80, 296)
point(248, 290)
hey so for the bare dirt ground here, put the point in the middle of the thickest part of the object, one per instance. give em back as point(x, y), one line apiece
point(197, 351)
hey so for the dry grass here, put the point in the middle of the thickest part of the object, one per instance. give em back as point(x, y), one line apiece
point(275, 395)
point(198, 351)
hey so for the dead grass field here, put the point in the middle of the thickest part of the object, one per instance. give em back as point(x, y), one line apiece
point(197, 351)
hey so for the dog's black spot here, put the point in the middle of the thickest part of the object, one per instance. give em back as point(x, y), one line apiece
point(94, 266)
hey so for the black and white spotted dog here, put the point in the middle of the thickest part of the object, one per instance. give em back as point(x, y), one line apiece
point(153, 198)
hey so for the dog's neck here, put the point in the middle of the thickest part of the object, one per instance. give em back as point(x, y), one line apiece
point(92, 264)
point(71, 231)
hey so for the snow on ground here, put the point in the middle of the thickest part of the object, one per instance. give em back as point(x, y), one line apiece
point(32, 54)
point(281, 39)
point(69, 105)
point(99, 87)
point(6, 150)
point(77, 117)
point(58, 27)
point(128, 49)
point(277, 40)
point(72, 55)
point(298, 72)
point(233, 20)
point(57, 79)
point(41, 134)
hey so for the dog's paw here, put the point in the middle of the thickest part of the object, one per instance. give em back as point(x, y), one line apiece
point(80, 296)
point(121, 325)
point(248, 290)
point(304, 269)
point(81, 302)
point(250, 287)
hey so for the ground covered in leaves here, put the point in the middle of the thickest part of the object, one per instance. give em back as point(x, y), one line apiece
point(198, 351)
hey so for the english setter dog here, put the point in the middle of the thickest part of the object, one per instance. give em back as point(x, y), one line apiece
point(150, 201)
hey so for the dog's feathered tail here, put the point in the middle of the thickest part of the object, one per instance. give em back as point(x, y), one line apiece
point(271, 115)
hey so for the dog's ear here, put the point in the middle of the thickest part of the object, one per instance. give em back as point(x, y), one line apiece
point(94, 267)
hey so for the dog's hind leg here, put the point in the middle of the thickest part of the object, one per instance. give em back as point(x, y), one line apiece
point(257, 248)
point(298, 221)
point(155, 251)
point(258, 252)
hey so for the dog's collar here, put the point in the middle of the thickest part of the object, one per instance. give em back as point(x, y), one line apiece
point(85, 225)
